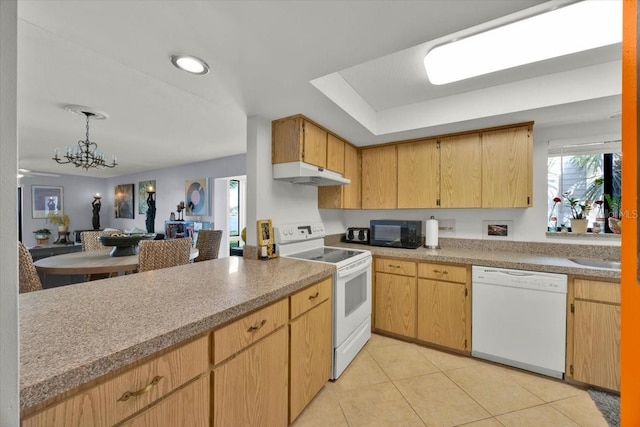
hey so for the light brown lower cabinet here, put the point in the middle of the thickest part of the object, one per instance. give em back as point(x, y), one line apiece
point(188, 406)
point(395, 304)
point(594, 324)
point(310, 345)
point(115, 399)
point(443, 305)
point(250, 389)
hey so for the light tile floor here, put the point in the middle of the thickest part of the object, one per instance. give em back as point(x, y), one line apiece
point(393, 383)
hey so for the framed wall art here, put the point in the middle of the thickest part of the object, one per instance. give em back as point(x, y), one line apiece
point(123, 201)
point(143, 186)
point(46, 199)
point(497, 229)
point(196, 197)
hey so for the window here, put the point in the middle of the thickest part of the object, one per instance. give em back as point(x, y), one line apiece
point(234, 213)
point(586, 171)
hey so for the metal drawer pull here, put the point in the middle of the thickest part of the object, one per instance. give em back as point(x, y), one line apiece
point(311, 297)
point(258, 326)
point(441, 272)
point(394, 266)
point(128, 394)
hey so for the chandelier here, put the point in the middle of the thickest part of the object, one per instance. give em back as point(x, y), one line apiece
point(86, 155)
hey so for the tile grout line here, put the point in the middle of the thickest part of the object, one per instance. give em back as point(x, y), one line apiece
point(398, 390)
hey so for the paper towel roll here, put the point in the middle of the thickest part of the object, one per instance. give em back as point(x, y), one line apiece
point(431, 234)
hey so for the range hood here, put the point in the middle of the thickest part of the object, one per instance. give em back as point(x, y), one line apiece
point(304, 173)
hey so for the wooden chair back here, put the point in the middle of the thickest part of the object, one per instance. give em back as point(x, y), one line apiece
point(156, 254)
point(28, 275)
point(208, 244)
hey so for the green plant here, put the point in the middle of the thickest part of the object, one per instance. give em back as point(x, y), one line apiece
point(578, 210)
point(614, 205)
point(58, 219)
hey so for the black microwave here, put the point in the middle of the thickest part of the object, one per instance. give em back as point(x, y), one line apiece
point(395, 233)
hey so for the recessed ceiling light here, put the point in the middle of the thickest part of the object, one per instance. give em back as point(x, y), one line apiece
point(190, 64)
point(574, 28)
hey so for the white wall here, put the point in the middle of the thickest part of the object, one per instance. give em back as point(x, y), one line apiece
point(78, 194)
point(282, 202)
point(9, 334)
point(170, 187)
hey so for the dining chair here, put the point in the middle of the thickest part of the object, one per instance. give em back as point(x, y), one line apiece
point(28, 275)
point(91, 240)
point(156, 254)
point(208, 244)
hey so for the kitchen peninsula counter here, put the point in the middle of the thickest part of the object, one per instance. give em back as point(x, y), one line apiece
point(556, 263)
point(74, 335)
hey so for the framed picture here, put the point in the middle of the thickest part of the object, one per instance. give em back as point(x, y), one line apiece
point(143, 186)
point(196, 197)
point(123, 201)
point(265, 232)
point(497, 229)
point(46, 199)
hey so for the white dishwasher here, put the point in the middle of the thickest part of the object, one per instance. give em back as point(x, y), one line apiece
point(519, 318)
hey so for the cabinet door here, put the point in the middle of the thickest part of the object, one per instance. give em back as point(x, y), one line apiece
point(379, 178)
point(419, 174)
point(596, 344)
point(352, 192)
point(315, 145)
point(251, 388)
point(335, 153)
point(395, 304)
point(311, 354)
point(442, 313)
point(461, 171)
point(286, 140)
point(186, 407)
point(507, 179)
point(344, 196)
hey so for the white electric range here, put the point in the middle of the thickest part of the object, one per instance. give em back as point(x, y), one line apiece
point(351, 286)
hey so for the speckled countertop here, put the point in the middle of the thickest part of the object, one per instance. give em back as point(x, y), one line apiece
point(74, 334)
point(493, 258)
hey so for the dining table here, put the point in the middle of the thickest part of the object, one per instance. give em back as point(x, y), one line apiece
point(92, 262)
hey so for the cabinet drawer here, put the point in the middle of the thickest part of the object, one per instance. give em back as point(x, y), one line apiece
point(310, 297)
point(244, 332)
point(106, 404)
point(393, 266)
point(594, 290)
point(186, 407)
point(448, 273)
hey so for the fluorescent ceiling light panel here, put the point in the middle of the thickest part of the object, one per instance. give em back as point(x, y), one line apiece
point(580, 26)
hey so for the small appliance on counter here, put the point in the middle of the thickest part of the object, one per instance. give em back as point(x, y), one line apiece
point(395, 233)
point(357, 235)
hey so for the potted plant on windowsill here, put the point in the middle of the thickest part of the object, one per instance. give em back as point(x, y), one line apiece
point(615, 220)
point(62, 221)
point(579, 213)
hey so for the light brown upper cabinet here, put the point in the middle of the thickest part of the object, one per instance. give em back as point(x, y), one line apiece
point(461, 171)
point(507, 172)
point(344, 196)
point(380, 177)
point(418, 174)
point(296, 139)
point(335, 153)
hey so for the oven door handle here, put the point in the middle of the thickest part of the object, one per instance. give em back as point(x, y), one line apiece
point(355, 268)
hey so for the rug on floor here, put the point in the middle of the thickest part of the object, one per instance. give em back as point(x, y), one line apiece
point(608, 404)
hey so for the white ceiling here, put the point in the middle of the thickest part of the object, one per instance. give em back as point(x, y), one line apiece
point(364, 58)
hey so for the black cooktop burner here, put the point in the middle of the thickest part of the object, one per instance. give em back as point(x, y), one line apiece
point(330, 255)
